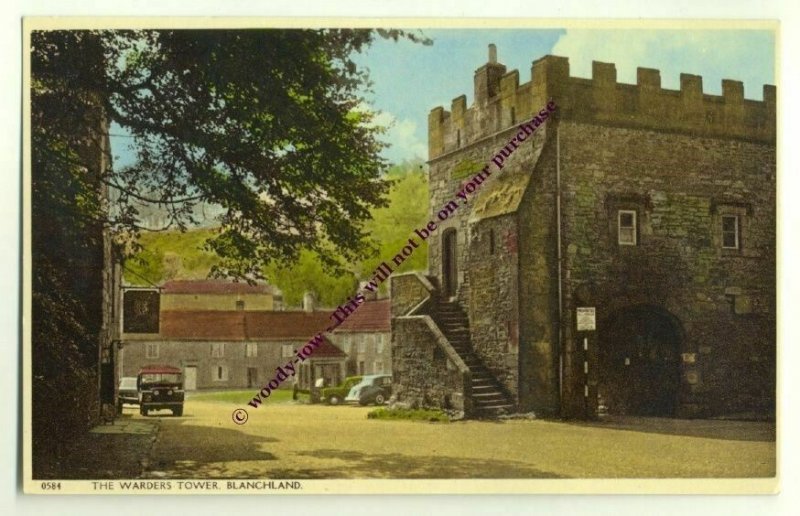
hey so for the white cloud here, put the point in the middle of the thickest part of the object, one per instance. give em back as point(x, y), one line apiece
point(401, 135)
point(747, 56)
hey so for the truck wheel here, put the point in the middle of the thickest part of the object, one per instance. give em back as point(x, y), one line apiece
point(335, 400)
point(178, 412)
point(379, 399)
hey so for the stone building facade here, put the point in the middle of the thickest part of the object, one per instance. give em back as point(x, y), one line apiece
point(234, 349)
point(653, 209)
point(365, 337)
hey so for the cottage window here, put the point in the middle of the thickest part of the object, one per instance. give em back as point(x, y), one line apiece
point(730, 232)
point(626, 227)
point(286, 350)
point(240, 305)
point(362, 345)
point(220, 374)
point(361, 368)
point(379, 343)
point(217, 349)
point(378, 367)
point(151, 350)
point(251, 349)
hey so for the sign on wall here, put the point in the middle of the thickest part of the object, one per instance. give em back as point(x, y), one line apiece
point(140, 309)
point(585, 317)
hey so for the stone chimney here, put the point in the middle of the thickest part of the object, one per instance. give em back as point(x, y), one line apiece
point(369, 296)
point(487, 78)
point(308, 302)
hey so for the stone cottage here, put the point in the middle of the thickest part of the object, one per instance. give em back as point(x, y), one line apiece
point(365, 337)
point(622, 260)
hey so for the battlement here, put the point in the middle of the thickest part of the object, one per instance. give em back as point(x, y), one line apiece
point(501, 102)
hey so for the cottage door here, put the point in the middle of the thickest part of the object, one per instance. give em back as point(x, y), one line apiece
point(190, 378)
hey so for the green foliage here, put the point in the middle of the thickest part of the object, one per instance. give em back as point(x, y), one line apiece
point(176, 255)
point(465, 168)
point(242, 397)
point(434, 416)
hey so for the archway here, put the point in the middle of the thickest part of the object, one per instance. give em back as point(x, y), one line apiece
point(639, 359)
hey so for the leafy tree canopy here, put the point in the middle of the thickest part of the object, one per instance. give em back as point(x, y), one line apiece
point(172, 255)
point(268, 124)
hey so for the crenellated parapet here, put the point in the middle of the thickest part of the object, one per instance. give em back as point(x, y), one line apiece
point(500, 102)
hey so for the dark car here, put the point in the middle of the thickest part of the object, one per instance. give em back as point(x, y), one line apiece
point(128, 393)
point(376, 388)
point(335, 395)
point(160, 387)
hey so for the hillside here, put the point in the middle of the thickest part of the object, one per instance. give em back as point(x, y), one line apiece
point(175, 255)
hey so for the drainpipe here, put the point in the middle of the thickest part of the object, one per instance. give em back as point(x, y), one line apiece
point(558, 251)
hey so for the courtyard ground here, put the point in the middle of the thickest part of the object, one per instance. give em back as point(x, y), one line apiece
point(284, 440)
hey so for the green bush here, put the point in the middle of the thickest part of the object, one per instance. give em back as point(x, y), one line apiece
point(434, 416)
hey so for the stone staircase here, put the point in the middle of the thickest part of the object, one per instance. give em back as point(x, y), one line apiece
point(489, 399)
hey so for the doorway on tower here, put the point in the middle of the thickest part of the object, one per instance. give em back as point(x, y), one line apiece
point(639, 362)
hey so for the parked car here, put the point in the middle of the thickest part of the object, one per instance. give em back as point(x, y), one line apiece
point(335, 395)
point(160, 387)
point(128, 393)
point(375, 388)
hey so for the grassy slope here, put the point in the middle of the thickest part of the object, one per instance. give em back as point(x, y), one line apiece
point(175, 255)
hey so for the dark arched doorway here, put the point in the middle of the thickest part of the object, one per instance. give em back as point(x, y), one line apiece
point(639, 359)
point(449, 263)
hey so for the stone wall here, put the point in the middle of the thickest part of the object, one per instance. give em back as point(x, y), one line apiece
point(492, 268)
point(408, 291)
point(538, 290)
point(427, 371)
point(177, 353)
point(679, 186)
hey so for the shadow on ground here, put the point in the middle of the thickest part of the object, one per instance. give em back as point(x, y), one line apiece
point(762, 431)
point(202, 451)
point(398, 466)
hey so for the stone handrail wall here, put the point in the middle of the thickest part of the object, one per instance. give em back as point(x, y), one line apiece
point(427, 369)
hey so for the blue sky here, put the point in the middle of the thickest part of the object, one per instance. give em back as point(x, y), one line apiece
point(410, 79)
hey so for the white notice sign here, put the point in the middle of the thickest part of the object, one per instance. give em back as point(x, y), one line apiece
point(585, 318)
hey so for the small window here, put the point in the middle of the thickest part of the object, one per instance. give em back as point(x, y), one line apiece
point(251, 349)
point(240, 305)
point(286, 350)
point(362, 345)
point(151, 350)
point(626, 225)
point(730, 232)
point(513, 116)
point(217, 349)
point(361, 368)
point(220, 374)
point(378, 367)
point(458, 138)
point(379, 343)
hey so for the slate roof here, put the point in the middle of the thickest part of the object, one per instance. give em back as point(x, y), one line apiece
point(503, 192)
point(372, 316)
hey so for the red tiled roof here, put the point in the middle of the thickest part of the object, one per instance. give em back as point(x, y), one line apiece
point(289, 324)
point(214, 287)
point(241, 325)
point(327, 350)
point(371, 316)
